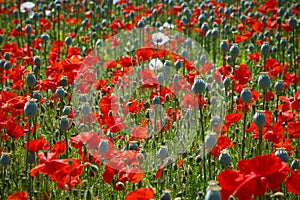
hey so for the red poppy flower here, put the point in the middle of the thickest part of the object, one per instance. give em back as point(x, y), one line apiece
point(223, 143)
point(254, 177)
point(141, 194)
point(14, 130)
point(36, 145)
point(18, 196)
point(294, 129)
point(59, 147)
point(292, 183)
point(254, 56)
point(139, 132)
point(242, 74)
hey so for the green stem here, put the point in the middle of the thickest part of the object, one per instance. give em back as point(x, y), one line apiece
point(244, 131)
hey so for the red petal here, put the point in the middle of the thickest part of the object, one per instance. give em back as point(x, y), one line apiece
point(292, 183)
point(140, 194)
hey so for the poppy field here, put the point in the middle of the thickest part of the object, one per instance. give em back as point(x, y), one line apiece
point(150, 99)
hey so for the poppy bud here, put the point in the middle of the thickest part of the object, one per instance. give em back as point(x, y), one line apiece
point(64, 124)
point(213, 191)
point(36, 95)
point(165, 195)
point(1, 39)
point(259, 119)
point(103, 146)
point(88, 195)
point(30, 157)
point(225, 159)
point(234, 51)
point(4, 159)
point(162, 152)
point(279, 86)
point(199, 86)
point(224, 46)
point(295, 164)
point(265, 49)
point(264, 81)
point(282, 154)
point(60, 92)
point(30, 109)
point(246, 95)
point(133, 146)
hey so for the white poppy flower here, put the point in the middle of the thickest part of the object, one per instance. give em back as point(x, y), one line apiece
point(27, 7)
point(159, 38)
point(155, 64)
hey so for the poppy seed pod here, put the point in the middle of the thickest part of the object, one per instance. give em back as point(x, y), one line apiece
point(234, 51)
point(68, 40)
point(295, 164)
point(45, 37)
point(265, 49)
point(204, 27)
point(156, 100)
point(264, 81)
point(224, 46)
point(7, 65)
point(213, 191)
point(282, 154)
point(246, 95)
point(4, 159)
point(64, 124)
point(103, 146)
point(160, 78)
point(278, 87)
point(163, 153)
point(215, 33)
point(7, 55)
point(36, 95)
point(85, 109)
point(210, 140)
point(30, 108)
point(199, 86)
point(60, 92)
point(226, 82)
point(63, 81)
point(66, 110)
point(37, 61)
point(30, 157)
point(133, 146)
point(292, 22)
point(283, 42)
point(178, 64)
point(28, 29)
point(225, 159)
point(165, 195)
point(259, 119)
